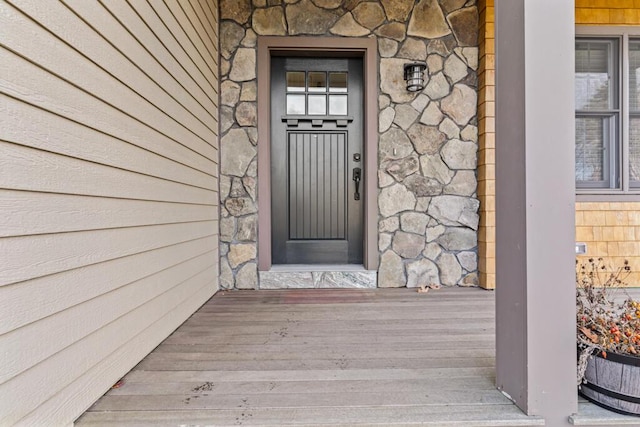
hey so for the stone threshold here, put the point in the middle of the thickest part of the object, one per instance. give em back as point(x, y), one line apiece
point(318, 276)
point(593, 415)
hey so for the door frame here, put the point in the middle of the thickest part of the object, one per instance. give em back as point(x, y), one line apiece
point(366, 48)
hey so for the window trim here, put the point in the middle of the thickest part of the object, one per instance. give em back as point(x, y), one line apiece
point(625, 191)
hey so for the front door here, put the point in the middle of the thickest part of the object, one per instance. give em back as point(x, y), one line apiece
point(316, 160)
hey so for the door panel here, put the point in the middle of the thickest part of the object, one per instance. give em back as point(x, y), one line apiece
point(316, 143)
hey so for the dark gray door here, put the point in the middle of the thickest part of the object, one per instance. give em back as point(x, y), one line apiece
point(316, 160)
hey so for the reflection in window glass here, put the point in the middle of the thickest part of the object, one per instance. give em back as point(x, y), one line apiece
point(337, 82)
point(595, 75)
point(295, 81)
point(318, 105)
point(634, 75)
point(317, 82)
point(634, 150)
point(591, 148)
point(338, 105)
point(295, 104)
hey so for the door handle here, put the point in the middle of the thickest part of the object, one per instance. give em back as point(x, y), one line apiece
point(357, 176)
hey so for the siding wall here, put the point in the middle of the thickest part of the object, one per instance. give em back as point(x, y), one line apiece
point(611, 230)
point(108, 192)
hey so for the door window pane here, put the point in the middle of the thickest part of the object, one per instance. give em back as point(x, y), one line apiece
point(295, 81)
point(338, 105)
point(295, 104)
point(318, 105)
point(634, 76)
point(595, 75)
point(317, 82)
point(592, 149)
point(337, 82)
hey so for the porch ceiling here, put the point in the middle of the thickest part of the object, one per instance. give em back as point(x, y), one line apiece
point(322, 357)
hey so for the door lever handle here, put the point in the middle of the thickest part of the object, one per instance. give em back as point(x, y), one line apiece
point(357, 176)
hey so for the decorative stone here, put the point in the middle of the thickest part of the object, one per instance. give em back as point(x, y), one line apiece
point(413, 49)
point(402, 168)
point(345, 279)
point(470, 133)
point(423, 186)
point(407, 245)
point(455, 68)
point(229, 93)
point(426, 139)
point(431, 116)
point(247, 276)
point(226, 118)
point(450, 270)
point(391, 271)
point(386, 118)
point(437, 87)
point(394, 30)
point(306, 18)
point(231, 35)
point(464, 183)
point(227, 229)
point(449, 128)
point(420, 102)
point(469, 55)
point(226, 275)
point(397, 10)
point(414, 222)
point(249, 91)
point(405, 116)
point(236, 152)
point(225, 66)
point(244, 65)
point(369, 14)
point(252, 170)
point(422, 273)
point(250, 39)
point(247, 228)
point(460, 154)
point(451, 5)
point(225, 186)
point(433, 167)
point(439, 47)
point(389, 225)
point(461, 104)
point(384, 179)
point(252, 132)
point(384, 240)
point(260, 3)
point(427, 21)
point(455, 210)
point(394, 144)
point(392, 80)
point(387, 47)
point(468, 260)
point(237, 189)
point(348, 27)
point(250, 185)
point(470, 279)
point(394, 199)
point(422, 205)
point(458, 239)
point(224, 249)
point(327, 4)
point(464, 23)
point(241, 253)
point(246, 114)
point(435, 63)
point(383, 102)
point(240, 206)
point(269, 22)
point(432, 251)
point(434, 232)
point(237, 10)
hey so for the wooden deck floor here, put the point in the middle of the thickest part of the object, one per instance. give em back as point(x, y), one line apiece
point(386, 357)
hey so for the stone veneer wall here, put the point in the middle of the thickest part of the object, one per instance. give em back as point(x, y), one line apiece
point(427, 154)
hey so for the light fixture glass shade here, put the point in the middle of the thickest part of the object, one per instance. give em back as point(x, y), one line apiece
point(413, 75)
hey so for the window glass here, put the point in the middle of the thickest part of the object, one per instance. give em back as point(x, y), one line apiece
point(318, 105)
point(337, 82)
point(338, 105)
point(317, 82)
point(591, 149)
point(634, 151)
point(634, 76)
point(595, 75)
point(295, 81)
point(295, 104)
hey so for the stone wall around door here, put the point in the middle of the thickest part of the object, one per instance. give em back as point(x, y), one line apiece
point(428, 141)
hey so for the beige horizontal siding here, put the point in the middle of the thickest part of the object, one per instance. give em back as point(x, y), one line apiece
point(108, 192)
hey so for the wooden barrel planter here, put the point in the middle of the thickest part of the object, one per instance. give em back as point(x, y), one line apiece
point(613, 383)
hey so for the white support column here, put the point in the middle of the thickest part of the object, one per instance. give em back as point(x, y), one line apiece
point(535, 206)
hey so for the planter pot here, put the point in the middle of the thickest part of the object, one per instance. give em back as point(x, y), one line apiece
point(613, 383)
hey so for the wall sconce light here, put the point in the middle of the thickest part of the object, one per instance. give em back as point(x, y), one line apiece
point(413, 76)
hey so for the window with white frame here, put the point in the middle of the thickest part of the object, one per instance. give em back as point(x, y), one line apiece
point(607, 99)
